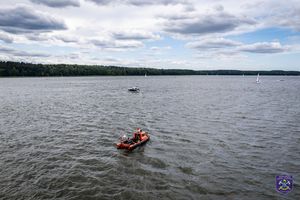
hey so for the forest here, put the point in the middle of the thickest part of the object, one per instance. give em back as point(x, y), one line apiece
point(8, 68)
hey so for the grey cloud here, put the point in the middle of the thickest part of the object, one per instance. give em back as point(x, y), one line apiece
point(206, 24)
point(18, 53)
point(176, 17)
point(153, 2)
point(135, 36)
point(30, 54)
point(139, 2)
point(26, 20)
point(283, 14)
point(37, 37)
point(67, 39)
point(6, 38)
point(227, 53)
point(221, 46)
point(101, 43)
point(114, 45)
point(6, 49)
point(101, 2)
point(290, 18)
point(264, 47)
point(212, 43)
point(46, 37)
point(57, 3)
point(218, 7)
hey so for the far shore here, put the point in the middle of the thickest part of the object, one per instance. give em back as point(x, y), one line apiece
point(21, 69)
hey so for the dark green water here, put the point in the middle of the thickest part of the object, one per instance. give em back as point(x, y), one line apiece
point(212, 137)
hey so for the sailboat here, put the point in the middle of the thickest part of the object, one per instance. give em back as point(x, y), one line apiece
point(257, 78)
point(145, 75)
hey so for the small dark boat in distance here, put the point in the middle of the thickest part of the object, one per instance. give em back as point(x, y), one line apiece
point(134, 89)
point(139, 138)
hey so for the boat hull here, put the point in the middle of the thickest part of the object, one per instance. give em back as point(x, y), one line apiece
point(133, 90)
point(132, 146)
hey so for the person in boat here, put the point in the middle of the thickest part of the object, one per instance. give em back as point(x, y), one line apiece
point(137, 135)
point(129, 141)
point(123, 138)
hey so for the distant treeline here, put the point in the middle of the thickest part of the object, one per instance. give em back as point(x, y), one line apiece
point(29, 69)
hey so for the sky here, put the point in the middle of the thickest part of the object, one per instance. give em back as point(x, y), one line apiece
point(177, 34)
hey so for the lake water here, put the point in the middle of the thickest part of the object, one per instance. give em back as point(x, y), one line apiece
point(212, 137)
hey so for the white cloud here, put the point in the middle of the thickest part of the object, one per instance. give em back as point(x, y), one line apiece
point(212, 43)
point(67, 39)
point(135, 35)
point(6, 38)
point(264, 47)
point(116, 45)
point(226, 46)
point(203, 24)
point(162, 32)
point(139, 2)
point(155, 48)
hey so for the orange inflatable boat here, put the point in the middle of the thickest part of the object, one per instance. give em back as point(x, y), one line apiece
point(139, 138)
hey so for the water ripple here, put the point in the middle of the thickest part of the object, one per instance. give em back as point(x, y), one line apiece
point(211, 137)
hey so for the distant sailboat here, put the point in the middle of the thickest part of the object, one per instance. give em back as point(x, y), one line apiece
point(257, 79)
point(145, 75)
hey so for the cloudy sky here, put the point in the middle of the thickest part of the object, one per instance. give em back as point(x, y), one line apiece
point(190, 34)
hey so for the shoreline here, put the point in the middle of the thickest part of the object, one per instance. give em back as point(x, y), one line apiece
point(21, 69)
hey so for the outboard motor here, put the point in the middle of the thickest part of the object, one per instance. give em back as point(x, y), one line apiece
point(123, 138)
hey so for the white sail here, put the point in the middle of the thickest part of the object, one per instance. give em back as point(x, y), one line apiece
point(257, 79)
